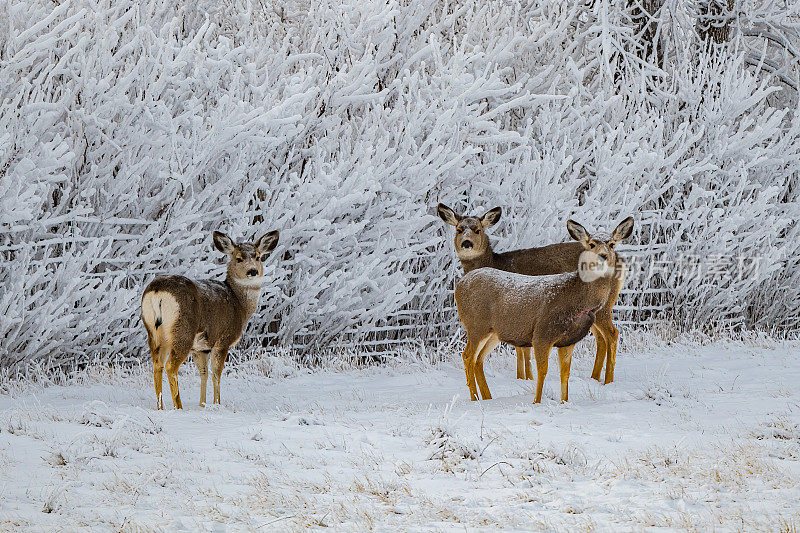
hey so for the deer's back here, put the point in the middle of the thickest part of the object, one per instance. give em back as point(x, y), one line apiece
point(552, 259)
point(208, 308)
point(182, 289)
point(506, 303)
point(541, 261)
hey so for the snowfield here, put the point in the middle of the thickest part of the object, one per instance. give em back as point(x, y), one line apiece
point(690, 436)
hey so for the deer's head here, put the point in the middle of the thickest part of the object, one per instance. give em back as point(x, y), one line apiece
point(245, 259)
point(471, 240)
point(599, 258)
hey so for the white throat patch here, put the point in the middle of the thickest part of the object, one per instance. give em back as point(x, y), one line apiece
point(468, 254)
point(251, 283)
point(591, 267)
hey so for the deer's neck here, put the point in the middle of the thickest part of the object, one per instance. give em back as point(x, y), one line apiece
point(594, 293)
point(486, 259)
point(247, 295)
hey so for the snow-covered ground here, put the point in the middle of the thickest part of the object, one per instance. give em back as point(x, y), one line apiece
point(688, 437)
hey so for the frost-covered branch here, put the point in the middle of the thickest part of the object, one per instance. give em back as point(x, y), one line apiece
point(129, 131)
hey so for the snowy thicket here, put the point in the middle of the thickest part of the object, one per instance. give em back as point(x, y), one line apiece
point(130, 130)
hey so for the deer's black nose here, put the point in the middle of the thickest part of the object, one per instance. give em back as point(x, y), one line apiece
point(252, 272)
point(603, 256)
point(466, 244)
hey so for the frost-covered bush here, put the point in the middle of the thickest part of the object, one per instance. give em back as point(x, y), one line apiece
point(130, 130)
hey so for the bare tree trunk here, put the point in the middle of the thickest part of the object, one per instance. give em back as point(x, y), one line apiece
point(644, 15)
point(714, 21)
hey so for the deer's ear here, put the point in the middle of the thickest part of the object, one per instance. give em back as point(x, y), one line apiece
point(491, 217)
point(267, 243)
point(223, 243)
point(448, 215)
point(577, 232)
point(623, 231)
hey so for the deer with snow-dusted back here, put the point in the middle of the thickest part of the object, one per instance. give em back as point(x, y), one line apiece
point(538, 311)
point(203, 317)
point(475, 251)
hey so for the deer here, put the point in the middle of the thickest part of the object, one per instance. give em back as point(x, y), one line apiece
point(474, 250)
point(203, 317)
point(538, 311)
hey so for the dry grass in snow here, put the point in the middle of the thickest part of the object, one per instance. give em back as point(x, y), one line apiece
point(689, 437)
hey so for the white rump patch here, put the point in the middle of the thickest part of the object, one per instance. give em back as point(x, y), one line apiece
point(160, 304)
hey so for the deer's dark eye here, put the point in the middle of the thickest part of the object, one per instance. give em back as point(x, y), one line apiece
point(459, 230)
point(591, 245)
point(611, 245)
point(238, 259)
point(477, 231)
point(263, 258)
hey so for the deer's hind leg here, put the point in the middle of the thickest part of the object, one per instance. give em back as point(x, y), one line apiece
point(524, 370)
point(605, 323)
point(158, 378)
point(489, 344)
point(528, 369)
point(520, 362)
point(600, 357)
point(177, 355)
point(156, 353)
point(611, 334)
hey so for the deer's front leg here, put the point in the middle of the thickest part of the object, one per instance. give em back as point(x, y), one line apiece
point(469, 357)
point(541, 351)
point(201, 361)
point(218, 358)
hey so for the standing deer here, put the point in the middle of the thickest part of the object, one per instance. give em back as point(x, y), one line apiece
point(475, 251)
point(538, 311)
point(203, 317)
